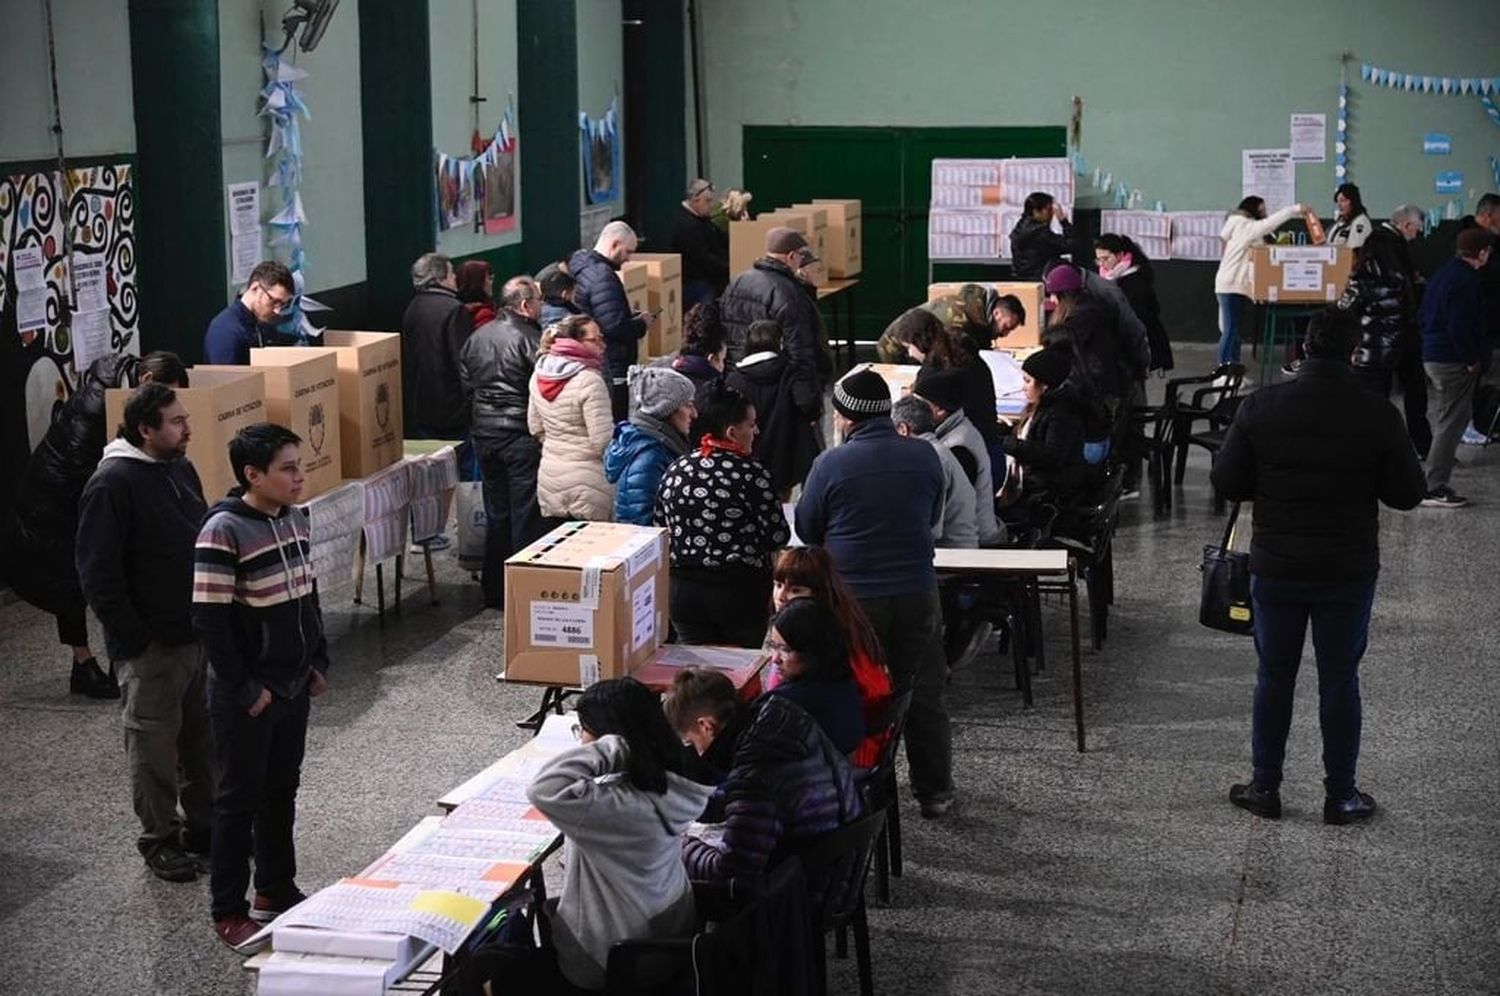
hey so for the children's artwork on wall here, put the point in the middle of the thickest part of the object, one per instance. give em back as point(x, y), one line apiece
point(455, 186)
point(495, 175)
point(599, 142)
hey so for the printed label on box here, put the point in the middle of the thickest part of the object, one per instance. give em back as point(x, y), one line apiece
point(588, 670)
point(593, 581)
point(640, 553)
point(1304, 254)
point(643, 614)
point(1302, 277)
point(562, 624)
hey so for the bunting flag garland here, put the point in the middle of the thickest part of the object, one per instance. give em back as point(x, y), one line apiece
point(1341, 136)
point(479, 191)
point(282, 103)
point(1490, 108)
point(1121, 195)
point(599, 144)
point(1394, 80)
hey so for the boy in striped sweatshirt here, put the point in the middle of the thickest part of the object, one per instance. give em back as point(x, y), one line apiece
point(256, 612)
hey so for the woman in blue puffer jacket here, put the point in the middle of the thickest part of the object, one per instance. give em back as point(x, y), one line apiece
point(661, 410)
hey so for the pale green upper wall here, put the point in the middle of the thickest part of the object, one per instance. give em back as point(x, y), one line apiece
point(93, 79)
point(452, 37)
point(1172, 89)
point(601, 76)
point(333, 193)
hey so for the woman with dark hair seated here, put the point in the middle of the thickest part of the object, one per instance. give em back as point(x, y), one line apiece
point(932, 345)
point(724, 523)
point(622, 803)
point(1045, 453)
point(812, 665)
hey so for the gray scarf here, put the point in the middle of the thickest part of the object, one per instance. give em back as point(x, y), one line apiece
point(667, 434)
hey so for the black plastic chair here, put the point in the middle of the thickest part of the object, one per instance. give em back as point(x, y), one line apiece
point(1207, 405)
point(1087, 529)
point(842, 858)
point(1158, 439)
point(878, 789)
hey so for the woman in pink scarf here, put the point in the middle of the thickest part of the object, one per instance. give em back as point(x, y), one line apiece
point(570, 416)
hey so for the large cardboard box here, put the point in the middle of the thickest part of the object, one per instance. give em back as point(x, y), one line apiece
point(220, 402)
point(1300, 274)
point(1031, 297)
point(587, 601)
point(747, 239)
point(302, 393)
point(663, 294)
point(370, 427)
point(845, 236)
point(637, 280)
point(816, 233)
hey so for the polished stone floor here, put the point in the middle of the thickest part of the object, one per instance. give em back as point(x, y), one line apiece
point(1122, 870)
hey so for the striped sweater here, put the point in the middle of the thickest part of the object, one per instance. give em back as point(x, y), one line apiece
point(254, 606)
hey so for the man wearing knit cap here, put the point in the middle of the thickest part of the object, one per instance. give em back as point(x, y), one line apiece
point(661, 410)
point(771, 290)
point(943, 390)
point(1455, 352)
point(874, 504)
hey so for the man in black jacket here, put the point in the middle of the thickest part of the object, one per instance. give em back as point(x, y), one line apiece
point(1382, 292)
point(600, 295)
point(1033, 243)
point(41, 555)
point(495, 370)
point(137, 524)
point(770, 290)
point(433, 331)
point(1316, 455)
point(704, 246)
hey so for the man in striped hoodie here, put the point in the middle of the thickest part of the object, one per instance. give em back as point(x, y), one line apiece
point(258, 617)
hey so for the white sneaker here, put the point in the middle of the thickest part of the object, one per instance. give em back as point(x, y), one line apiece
point(1473, 437)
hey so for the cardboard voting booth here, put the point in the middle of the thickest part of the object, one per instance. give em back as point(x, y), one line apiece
point(585, 602)
point(220, 402)
point(747, 241)
point(637, 281)
point(302, 393)
point(815, 230)
point(845, 236)
point(1030, 295)
point(1300, 274)
point(369, 392)
point(664, 297)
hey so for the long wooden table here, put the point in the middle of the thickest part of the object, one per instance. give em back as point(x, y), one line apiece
point(1038, 571)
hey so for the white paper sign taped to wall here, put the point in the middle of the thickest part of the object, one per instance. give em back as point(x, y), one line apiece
point(562, 624)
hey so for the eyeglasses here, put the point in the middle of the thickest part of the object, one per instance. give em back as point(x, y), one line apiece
point(278, 304)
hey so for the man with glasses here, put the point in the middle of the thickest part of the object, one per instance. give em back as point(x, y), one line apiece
point(250, 320)
point(704, 246)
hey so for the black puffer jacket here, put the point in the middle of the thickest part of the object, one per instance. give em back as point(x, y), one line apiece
point(46, 511)
point(1139, 287)
point(1051, 455)
point(787, 402)
point(495, 370)
point(769, 290)
point(1033, 244)
point(1089, 331)
point(1317, 455)
point(433, 332)
point(601, 296)
point(1382, 292)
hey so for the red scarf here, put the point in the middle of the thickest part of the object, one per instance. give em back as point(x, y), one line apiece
point(711, 443)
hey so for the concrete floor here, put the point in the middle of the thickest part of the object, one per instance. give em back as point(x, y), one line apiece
point(1123, 870)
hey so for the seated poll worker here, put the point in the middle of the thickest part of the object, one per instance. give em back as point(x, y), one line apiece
point(783, 780)
point(813, 670)
point(622, 803)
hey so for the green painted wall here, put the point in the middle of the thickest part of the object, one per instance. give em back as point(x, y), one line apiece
point(93, 78)
point(451, 47)
point(551, 179)
point(601, 71)
point(1173, 90)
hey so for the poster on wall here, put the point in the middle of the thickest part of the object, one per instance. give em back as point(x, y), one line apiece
point(455, 187)
point(1309, 138)
point(599, 142)
point(496, 178)
point(1270, 174)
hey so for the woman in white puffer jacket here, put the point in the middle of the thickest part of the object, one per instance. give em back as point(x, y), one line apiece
point(1245, 228)
point(570, 416)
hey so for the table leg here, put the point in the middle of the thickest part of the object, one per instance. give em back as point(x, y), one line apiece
point(359, 572)
point(380, 591)
point(400, 569)
point(431, 576)
point(1077, 659)
point(1034, 607)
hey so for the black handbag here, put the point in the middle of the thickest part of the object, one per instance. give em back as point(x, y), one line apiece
point(1225, 602)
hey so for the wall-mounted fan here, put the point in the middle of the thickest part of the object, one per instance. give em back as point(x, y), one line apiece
point(312, 16)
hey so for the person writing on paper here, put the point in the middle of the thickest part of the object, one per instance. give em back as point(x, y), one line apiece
point(622, 803)
point(1045, 453)
point(1318, 455)
point(1246, 227)
point(924, 339)
point(807, 572)
point(811, 660)
point(250, 319)
point(783, 780)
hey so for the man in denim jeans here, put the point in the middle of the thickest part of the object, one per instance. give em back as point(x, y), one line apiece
point(1317, 456)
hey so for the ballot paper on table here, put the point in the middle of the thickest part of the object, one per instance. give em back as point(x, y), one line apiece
point(1010, 389)
point(438, 916)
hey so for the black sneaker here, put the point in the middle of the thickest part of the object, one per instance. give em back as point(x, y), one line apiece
point(934, 809)
point(1341, 812)
point(195, 844)
point(91, 680)
point(1257, 799)
point(171, 864)
point(1444, 497)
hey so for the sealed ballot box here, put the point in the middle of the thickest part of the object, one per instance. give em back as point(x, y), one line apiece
point(585, 602)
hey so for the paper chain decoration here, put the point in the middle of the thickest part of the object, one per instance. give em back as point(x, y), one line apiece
point(282, 102)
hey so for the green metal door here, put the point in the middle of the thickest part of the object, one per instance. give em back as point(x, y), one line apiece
point(889, 170)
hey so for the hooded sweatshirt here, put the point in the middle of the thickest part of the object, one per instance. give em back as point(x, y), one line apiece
point(136, 524)
point(253, 602)
point(623, 876)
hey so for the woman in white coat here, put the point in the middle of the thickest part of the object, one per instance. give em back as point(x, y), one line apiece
point(1245, 228)
point(570, 416)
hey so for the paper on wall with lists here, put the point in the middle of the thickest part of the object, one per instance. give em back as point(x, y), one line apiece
point(1270, 174)
point(91, 331)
